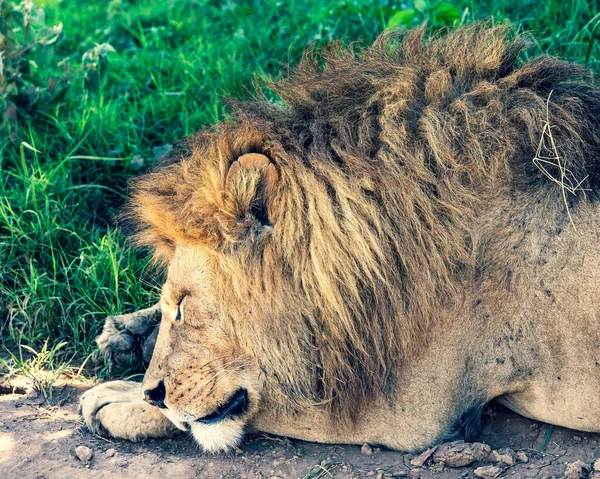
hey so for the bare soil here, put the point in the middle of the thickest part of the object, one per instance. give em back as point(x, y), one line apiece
point(38, 440)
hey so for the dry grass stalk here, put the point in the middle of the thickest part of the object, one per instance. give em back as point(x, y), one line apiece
point(547, 156)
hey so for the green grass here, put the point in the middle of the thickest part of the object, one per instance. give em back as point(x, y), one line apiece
point(64, 265)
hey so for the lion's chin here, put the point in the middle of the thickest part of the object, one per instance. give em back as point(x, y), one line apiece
point(219, 437)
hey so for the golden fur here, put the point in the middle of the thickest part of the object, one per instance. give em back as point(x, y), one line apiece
point(384, 155)
point(332, 264)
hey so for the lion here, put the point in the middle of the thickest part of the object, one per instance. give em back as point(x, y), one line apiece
point(410, 233)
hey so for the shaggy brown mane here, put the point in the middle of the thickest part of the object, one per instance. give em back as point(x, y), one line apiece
point(384, 157)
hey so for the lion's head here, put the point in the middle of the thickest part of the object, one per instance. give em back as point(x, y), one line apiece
point(310, 244)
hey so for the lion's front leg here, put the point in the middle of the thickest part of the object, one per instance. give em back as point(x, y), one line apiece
point(117, 409)
point(128, 340)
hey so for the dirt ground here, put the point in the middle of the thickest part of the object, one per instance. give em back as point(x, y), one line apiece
point(39, 441)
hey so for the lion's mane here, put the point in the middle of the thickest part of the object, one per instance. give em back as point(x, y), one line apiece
point(385, 156)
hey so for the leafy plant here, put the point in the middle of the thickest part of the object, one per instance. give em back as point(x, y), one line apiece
point(33, 79)
point(436, 13)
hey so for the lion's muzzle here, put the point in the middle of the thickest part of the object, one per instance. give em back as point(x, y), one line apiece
point(220, 430)
point(236, 405)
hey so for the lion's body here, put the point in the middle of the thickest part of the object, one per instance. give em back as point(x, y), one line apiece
point(390, 258)
point(533, 344)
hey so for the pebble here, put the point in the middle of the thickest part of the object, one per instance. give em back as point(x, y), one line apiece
point(504, 456)
point(83, 453)
point(522, 457)
point(461, 453)
point(366, 449)
point(575, 470)
point(110, 452)
point(488, 472)
point(597, 465)
point(422, 458)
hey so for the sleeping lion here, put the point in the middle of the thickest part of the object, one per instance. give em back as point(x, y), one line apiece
point(411, 232)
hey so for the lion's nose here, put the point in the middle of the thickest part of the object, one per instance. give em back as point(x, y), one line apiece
point(156, 396)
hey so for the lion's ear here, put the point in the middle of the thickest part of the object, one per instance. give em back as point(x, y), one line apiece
point(249, 192)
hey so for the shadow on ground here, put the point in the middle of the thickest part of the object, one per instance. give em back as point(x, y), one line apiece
point(38, 441)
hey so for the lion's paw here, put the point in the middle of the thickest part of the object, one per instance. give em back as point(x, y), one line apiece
point(128, 340)
point(116, 409)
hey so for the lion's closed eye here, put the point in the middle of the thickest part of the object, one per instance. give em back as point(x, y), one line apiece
point(179, 314)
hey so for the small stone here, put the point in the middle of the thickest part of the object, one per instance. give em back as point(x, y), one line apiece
point(110, 452)
point(488, 472)
point(238, 451)
point(522, 457)
point(461, 453)
point(597, 465)
point(83, 453)
point(422, 458)
point(577, 438)
point(504, 456)
point(575, 470)
point(370, 473)
point(366, 449)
